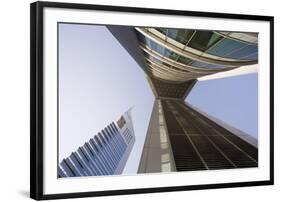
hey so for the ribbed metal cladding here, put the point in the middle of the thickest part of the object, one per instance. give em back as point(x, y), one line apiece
point(251, 150)
point(241, 153)
point(184, 155)
point(199, 143)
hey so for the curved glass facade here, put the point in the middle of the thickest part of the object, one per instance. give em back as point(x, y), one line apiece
point(170, 54)
point(210, 44)
point(234, 49)
point(160, 62)
point(198, 49)
point(235, 46)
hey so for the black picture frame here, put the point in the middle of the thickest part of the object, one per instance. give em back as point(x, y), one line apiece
point(36, 98)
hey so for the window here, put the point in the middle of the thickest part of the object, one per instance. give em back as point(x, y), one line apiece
point(203, 40)
point(170, 54)
point(225, 47)
point(253, 56)
point(180, 35)
point(162, 30)
point(198, 64)
point(211, 66)
point(245, 51)
point(184, 60)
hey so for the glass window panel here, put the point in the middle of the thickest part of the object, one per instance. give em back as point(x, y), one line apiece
point(198, 64)
point(184, 60)
point(240, 53)
point(225, 47)
point(151, 44)
point(214, 39)
point(203, 40)
point(180, 35)
point(253, 56)
point(154, 59)
point(163, 51)
point(170, 54)
point(162, 30)
point(150, 57)
point(248, 37)
point(174, 56)
point(141, 38)
point(211, 66)
point(167, 53)
point(172, 33)
point(154, 46)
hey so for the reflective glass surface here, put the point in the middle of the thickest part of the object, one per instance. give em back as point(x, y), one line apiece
point(212, 66)
point(172, 55)
point(184, 60)
point(150, 57)
point(162, 30)
point(198, 64)
point(245, 51)
point(226, 46)
point(180, 35)
point(253, 56)
point(202, 40)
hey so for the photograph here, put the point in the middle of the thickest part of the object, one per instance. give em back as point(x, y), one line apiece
point(136, 100)
point(129, 100)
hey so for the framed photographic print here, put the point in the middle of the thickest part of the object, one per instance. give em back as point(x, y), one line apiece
point(134, 100)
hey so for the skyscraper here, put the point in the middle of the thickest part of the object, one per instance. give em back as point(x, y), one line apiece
point(104, 154)
point(179, 137)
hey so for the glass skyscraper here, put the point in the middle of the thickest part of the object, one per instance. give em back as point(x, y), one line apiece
point(179, 136)
point(104, 154)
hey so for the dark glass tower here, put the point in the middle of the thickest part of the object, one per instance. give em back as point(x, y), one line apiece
point(180, 137)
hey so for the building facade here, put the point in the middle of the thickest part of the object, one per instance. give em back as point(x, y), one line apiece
point(179, 137)
point(104, 154)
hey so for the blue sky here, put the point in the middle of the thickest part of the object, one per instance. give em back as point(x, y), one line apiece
point(99, 81)
point(231, 99)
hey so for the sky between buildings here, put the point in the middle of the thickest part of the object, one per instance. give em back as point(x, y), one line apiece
point(99, 81)
point(233, 100)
